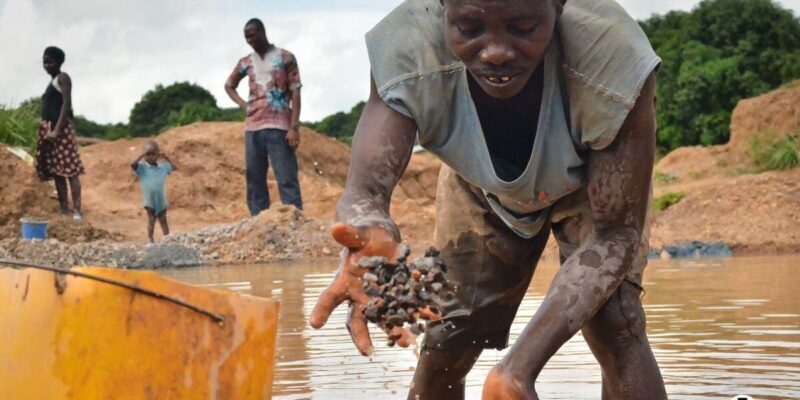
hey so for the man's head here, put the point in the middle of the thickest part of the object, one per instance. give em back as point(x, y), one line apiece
point(52, 59)
point(256, 35)
point(151, 152)
point(501, 42)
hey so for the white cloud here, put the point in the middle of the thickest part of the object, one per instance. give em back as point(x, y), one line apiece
point(117, 50)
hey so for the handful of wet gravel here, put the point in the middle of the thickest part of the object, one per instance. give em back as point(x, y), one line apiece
point(402, 294)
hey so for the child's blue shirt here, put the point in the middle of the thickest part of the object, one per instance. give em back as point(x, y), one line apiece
point(152, 178)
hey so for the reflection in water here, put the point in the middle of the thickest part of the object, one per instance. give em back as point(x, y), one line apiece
point(718, 328)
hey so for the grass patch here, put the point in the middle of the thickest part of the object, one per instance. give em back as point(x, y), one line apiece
point(348, 140)
point(770, 154)
point(660, 177)
point(19, 126)
point(667, 200)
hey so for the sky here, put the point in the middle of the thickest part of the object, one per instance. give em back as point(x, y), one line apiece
point(118, 50)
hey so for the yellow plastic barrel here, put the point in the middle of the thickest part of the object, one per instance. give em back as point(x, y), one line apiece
point(67, 337)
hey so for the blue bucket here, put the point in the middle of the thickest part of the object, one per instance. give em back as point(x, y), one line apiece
point(34, 229)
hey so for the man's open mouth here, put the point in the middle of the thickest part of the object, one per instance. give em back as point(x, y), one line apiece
point(499, 80)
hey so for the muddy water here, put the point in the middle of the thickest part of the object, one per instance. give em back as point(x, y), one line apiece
point(718, 328)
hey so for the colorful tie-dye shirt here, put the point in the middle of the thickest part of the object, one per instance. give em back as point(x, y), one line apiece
point(271, 81)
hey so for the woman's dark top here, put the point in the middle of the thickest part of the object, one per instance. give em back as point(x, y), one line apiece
point(52, 100)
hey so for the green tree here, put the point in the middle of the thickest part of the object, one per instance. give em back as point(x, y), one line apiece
point(158, 107)
point(341, 124)
point(717, 54)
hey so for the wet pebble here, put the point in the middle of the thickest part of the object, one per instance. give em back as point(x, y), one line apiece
point(402, 294)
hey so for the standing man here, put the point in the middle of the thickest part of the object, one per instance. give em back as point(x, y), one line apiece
point(272, 125)
point(543, 112)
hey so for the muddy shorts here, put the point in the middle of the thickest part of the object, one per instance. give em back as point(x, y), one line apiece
point(491, 266)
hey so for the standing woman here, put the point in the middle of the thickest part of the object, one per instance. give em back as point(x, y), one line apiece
point(57, 150)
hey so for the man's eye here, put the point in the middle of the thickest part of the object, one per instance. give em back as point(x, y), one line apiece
point(468, 30)
point(522, 29)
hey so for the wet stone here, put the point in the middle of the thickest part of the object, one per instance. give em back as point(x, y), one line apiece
point(402, 293)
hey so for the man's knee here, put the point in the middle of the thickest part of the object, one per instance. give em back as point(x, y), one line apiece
point(621, 319)
point(450, 364)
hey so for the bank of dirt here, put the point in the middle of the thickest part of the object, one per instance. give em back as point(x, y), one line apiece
point(725, 200)
point(755, 213)
point(207, 192)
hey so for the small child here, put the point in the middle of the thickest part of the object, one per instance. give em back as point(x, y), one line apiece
point(152, 176)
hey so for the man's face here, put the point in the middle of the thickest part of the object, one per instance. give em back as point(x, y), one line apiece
point(501, 42)
point(50, 65)
point(256, 37)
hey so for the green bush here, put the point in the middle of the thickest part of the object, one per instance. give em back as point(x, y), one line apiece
point(769, 154)
point(667, 200)
point(157, 109)
point(717, 54)
point(340, 124)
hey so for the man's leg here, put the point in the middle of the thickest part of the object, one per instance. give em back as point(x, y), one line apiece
point(256, 165)
point(284, 165)
point(616, 334)
point(441, 374)
point(491, 268)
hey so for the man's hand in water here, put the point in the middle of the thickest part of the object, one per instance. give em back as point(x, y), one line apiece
point(347, 284)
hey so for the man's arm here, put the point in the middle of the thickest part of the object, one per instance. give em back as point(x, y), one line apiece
point(381, 150)
point(382, 147)
point(619, 187)
point(293, 136)
point(230, 87)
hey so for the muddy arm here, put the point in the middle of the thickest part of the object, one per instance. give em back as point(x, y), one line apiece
point(381, 150)
point(619, 185)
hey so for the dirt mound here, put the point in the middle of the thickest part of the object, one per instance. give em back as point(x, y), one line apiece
point(22, 195)
point(754, 214)
point(21, 192)
point(777, 111)
point(209, 188)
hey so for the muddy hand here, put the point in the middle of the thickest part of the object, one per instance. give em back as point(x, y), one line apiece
point(347, 284)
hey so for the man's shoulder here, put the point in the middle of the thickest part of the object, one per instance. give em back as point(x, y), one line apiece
point(285, 54)
point(408, 42)
point(245, 60)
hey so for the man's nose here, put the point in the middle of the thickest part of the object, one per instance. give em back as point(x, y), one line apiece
point(497, 54)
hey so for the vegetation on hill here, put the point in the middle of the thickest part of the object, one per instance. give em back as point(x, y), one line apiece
point(717, 54)
point(340, 125)
point(179, 104)
point(19, 125)
point(159, 109)
point(769, 154)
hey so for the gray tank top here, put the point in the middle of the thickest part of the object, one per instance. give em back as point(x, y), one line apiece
point(593, 72)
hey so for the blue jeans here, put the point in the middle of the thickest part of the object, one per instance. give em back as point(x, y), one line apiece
point(260, 147)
